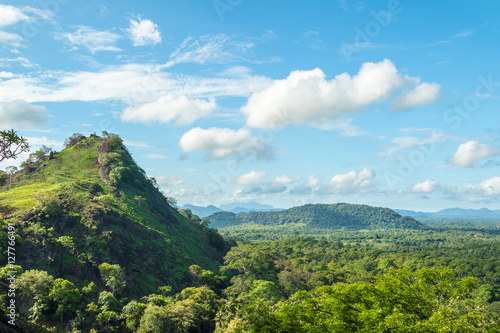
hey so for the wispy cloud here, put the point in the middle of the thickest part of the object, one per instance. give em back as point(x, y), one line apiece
point(11, 15)
point(91, 39)
point(209, 48)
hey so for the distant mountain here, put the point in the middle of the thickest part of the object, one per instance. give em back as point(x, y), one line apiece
point(239, 207)
point(235, 207)
point(202, 211)
point(455, 213)
point(321, 216)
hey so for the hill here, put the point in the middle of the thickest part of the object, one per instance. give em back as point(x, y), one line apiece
point(321, 216)
point(91, 204)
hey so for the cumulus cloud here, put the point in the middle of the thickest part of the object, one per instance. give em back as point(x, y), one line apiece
point(20, 114)
point(91, 39)
point(486, 191)
point(307, 97)
point(143, 32)
point(43, 141)
point(251, 178)
point(221, 143)
point(168, 108)
point(427, 186)
point(351, 182)
point(309, 186)
point(423, 94)
point(471, 151)
point(284, 180)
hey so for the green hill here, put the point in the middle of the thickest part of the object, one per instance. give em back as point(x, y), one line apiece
point(321, 216)
point(91, 204)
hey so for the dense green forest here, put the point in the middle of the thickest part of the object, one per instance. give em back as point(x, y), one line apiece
point(320, 216)
point(98, 248)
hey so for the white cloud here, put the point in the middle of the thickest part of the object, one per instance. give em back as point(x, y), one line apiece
point(209, 48)
point(168, 108)
point(471, 151)
point(221, 143)
point(169, 181)
point(136, 144)
point(20, 114)
point(4, 62)
point(425, 144)
point(6, 75)
point(309, 186)
point(423, 94)
point(486, 191)
point(427, 186)
point(342, 125)
point(92, 40)
point(143, 32)
point(134, 84)
point(251, 178)
point(12, 39)
point(284, 180)
point(10, 15)
point(156, 156)
point(351, 182)
point(306, 97)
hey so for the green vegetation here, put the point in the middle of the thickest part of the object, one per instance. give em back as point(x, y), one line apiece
point(100, 249)
point(320, 216)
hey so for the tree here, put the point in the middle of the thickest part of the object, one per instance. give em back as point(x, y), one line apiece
point(112, 276)
point(171, 201)
point(73, 140)
point(11, 145)
point(66, 296)
point(11, 170)
point(42, 153)
point(32, 284)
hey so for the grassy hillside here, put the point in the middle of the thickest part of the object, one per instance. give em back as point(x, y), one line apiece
point(320, 216)
point(90, 204)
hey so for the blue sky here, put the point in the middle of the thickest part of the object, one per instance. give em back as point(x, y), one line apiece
point(387, 103)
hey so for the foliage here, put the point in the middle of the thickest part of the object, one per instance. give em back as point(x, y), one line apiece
point(73, 140)
point(321, 216)
point(112, 276)
point(66, 296)
point(12, 145)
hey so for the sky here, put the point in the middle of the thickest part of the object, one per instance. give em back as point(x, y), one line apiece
point(387, 103)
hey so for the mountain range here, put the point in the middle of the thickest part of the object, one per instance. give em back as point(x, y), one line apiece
point(234, 207)
point(454, 213)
